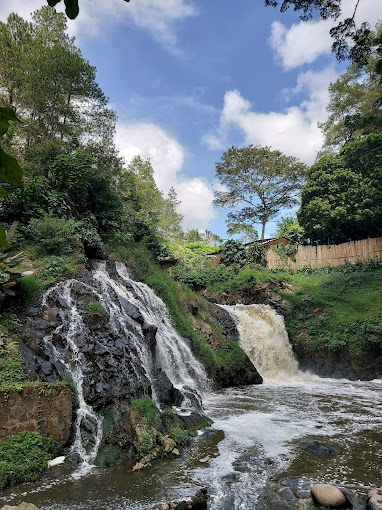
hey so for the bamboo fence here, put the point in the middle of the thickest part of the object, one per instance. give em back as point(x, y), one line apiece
point(327, 255)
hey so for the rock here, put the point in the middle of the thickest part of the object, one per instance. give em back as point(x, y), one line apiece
point(22, 506)
point(141, 465)
point(56, 462)
point(374, 501)
point(168, 444)
point(175, 451)
point(317, 447)
point(328, 496)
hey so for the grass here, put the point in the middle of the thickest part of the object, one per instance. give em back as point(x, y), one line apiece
point(24, 457)
point(147, 408)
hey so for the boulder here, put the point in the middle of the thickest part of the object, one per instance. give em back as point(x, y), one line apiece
point(328, 496)
point(317, 447)
point(374, 501)
point(22, 506)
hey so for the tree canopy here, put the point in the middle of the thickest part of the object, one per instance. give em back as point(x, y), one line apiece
point(259, 180)
point(342, 198)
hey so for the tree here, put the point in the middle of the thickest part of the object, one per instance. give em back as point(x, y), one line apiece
point(44, 77)
point(342, 198)
point(260, 180)
point(244, 233)
point(354, 106)
point(289, 227)
point(350, 42)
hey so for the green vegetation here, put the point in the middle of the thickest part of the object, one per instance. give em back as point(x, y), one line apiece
point(96, 308)
point(147, 408)
point(337, 309)
point(180, 436)
point(24, 457)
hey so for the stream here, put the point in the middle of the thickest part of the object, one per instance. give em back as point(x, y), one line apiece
point(254, 456)
point(264, 448)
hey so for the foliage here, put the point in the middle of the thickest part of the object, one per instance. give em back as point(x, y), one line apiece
point(196, 256)
point(350, 41)
point(259, 180)
point(233, 252)
point(245, 233)
point(54, 235)
point(24, 457)
point(147, 408)
point(289, 227)
point(31, 288)
point(11, 362)
point(342, 198)
point(96, 308)
point(180, 436)
point(337, 308)
point(44, 52)
point(354, 105)
point(71, 7)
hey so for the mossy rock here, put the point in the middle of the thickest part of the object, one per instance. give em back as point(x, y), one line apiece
point(110, 455)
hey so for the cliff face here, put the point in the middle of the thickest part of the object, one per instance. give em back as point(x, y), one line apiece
point(45, 408)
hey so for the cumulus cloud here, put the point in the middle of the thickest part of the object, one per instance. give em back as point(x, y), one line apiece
point(293, 131)
point(303, 42)
point(155, 16)
point(167, 157)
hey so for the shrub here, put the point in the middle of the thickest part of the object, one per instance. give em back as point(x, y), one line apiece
point(54, 235)
point(11, 365)
point(96, 308)
point(179, 435)
point(147, 408)
point(24, 457)
point(30, 288)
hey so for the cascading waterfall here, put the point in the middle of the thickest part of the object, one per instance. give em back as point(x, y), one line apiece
point(141, 344)
point(173, 351)
point(264, 339)
point(86, 419)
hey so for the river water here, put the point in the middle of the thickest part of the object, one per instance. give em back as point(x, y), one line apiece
point(258, 452)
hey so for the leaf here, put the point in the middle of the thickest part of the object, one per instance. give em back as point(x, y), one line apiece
point(3, 239)
point(72, 8)
point(9, 292)
point(12, 230)
point(10, 170)
point(52, 3)
point(6, 114)
point(3, 192)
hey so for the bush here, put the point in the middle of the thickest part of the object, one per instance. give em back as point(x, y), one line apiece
point(11, 365)
point(179, 435)
point(147, 408)
point(24, 457)
point(30, 288)
point(55, 236)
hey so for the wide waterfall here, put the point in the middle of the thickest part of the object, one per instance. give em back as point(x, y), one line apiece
point(126, 348)
point(264, 339)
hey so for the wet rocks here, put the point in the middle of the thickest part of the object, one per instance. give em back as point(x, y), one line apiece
point(321, 448)
point(374, 499)
point(328, 496)
point(197, 502)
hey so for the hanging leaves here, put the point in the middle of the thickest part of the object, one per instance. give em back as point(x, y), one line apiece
point(71, 7)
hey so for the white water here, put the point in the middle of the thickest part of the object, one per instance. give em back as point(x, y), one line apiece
point(85, 414)
point(264, 339)
point(172, 351)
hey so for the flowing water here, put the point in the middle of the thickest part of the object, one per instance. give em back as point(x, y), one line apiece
point(256, 455)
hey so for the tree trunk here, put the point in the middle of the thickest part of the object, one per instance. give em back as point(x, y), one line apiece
point(262, 231)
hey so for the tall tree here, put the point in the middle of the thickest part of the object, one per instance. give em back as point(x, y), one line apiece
point(342, 198)
point(44, 77)
point(259, 180)
point(354, 105)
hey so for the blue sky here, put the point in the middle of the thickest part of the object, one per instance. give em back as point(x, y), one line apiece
point(190, 78)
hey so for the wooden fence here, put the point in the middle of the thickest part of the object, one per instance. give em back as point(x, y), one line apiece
point(327, 255)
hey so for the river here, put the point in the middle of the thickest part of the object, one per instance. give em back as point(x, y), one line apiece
point(254, 456)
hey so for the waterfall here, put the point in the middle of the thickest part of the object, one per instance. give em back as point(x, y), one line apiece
point(264, 339)
point(135, 350)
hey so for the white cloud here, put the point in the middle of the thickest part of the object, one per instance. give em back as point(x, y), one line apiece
point(158, 17)
point(167, 157)
point(303, 42)
point(293, 131)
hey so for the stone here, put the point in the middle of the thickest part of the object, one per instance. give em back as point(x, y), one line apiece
point(328, 496)
point(168, 444)
point(56, 462)
point(374, 501)
point(317, 447)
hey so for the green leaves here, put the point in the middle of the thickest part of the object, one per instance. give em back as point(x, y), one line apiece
point(6, 114)
point(72, 8)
